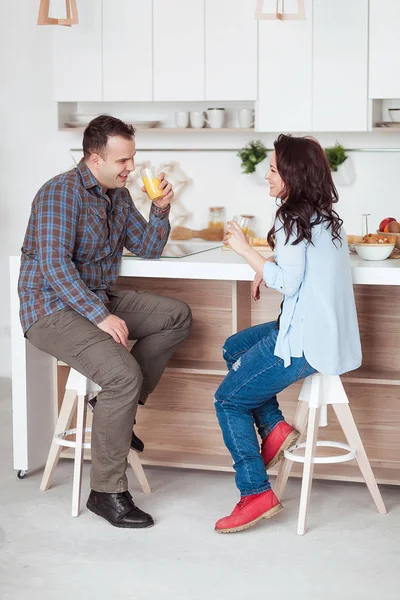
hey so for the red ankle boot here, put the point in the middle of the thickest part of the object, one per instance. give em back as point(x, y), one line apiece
point(282, 437)
point(249, 511)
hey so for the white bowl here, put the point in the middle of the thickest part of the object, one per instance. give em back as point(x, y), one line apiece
point(374, 251)
point(394, 114)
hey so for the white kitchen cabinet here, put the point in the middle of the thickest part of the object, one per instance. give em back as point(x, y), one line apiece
point(178, 46)
point(384, 49)
point(77, 56)
point(127, 51)
point(285, 73)
point(230, 50)
point(340, 65)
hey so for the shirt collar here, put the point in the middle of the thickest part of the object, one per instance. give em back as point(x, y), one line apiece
point(88, 179)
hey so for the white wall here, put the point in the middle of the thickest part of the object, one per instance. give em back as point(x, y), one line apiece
point(31, 152)
point(28, 147)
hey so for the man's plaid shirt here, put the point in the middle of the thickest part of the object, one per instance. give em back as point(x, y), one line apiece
point(73, 245)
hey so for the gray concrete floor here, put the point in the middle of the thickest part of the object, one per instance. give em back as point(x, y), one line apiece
point(349, 552)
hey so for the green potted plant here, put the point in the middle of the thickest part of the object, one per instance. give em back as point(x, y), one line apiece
point(340, 165)
point(254, 158)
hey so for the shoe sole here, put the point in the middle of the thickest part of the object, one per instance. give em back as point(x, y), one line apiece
point(290, 441)
point(267, 515)
point(93, 509)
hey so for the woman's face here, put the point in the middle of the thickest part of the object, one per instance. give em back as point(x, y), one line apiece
point(276, 185)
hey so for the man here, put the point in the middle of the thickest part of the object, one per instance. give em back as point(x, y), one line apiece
point(79, 224)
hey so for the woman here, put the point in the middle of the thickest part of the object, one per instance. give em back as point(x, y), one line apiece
point(316, 330)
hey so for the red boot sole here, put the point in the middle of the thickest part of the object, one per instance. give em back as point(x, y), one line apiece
point(290, 441)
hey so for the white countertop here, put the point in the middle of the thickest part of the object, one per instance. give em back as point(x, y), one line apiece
point(227, 265)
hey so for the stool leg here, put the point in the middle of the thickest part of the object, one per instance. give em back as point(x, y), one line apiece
point(136, 465)
point(63, 423)
point(78, 462)
point(299, 423)
point(308, 469)
point(350, 430)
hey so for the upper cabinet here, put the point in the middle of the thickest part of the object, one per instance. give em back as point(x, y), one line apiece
point(127, 51)
point(285, 73)
point(384, 49)
point(162, 50)
point(340, 65)
point(77, 57)
point(178, 42)
point(313, 74)
point(230, 50)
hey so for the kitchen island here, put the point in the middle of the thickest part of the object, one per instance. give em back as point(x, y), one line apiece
point(178, 423)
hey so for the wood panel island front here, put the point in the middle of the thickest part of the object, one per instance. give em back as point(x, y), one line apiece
point(178, 422)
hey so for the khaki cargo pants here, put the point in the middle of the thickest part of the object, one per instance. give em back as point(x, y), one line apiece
point(159, 324)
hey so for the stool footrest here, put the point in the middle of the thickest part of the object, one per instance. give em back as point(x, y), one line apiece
point(338, 458)
point(59, 438)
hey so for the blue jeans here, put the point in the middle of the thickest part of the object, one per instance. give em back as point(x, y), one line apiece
point(247, 396)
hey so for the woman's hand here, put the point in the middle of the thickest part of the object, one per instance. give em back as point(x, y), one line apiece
point(236, 238)
point(255, 291)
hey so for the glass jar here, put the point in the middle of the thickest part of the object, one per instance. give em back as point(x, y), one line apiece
point(216, 219)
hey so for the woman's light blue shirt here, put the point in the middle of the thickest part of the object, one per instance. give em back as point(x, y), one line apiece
point(319, 317)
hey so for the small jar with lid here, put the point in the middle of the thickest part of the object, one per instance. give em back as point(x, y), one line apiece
point(216, 219)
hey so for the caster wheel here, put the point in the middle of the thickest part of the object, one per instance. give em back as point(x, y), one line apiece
point(22, 474)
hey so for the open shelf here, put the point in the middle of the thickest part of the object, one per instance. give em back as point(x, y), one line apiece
point(361, 375)
point(173, 130)
point(223, 462)
point(367, 375)
point(206, 367)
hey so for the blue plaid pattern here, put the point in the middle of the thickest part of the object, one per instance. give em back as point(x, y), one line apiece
point(74, 242)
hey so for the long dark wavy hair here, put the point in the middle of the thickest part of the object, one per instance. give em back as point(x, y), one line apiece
point(309, 192)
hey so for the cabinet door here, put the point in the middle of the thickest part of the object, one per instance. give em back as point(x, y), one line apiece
point(178, 43)
point(340, 59)
point(384, 49)
point(77, 56)
point(231, 50)
point(285, 72)
point(127, 51)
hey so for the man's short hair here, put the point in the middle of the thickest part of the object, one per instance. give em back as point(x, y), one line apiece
point(96, 134)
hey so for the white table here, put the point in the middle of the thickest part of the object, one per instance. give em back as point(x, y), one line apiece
point(34, 376)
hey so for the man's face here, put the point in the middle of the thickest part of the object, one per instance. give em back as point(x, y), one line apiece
point(112, 168)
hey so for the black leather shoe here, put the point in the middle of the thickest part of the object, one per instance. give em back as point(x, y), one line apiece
point(136, 443)
point(119, 510)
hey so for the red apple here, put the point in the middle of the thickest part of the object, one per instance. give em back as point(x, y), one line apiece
point(385, 222)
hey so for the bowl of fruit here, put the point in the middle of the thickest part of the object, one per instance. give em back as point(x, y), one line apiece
point(375, 246)
point(390, 225)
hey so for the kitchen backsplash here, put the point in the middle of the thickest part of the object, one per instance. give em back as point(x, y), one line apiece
point(214, 178)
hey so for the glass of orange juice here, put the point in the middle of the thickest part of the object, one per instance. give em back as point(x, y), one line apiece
point(151, 182)
point(243, 222)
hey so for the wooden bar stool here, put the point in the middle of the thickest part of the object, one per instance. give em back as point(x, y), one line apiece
point(317, 392)
point(78, 390)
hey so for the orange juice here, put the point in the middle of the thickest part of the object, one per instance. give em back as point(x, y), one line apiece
point(245, 230)
point(152, 187)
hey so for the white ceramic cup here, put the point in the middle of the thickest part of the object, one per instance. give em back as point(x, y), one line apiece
point(197, 119)
point(182, 119)
point(246, 118)
point(215, 117)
